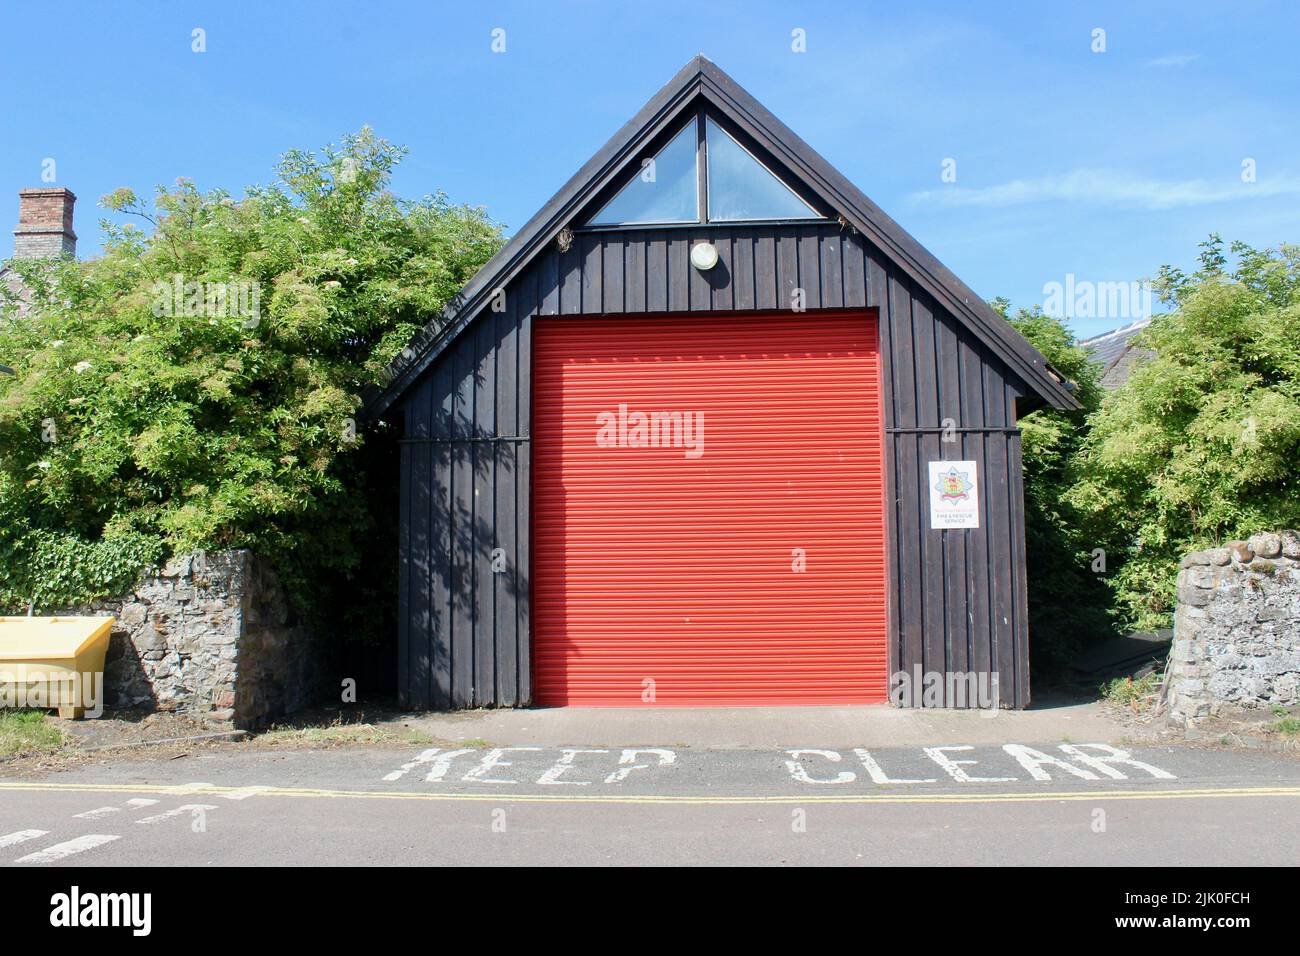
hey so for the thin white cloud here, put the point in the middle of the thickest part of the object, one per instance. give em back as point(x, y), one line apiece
point(1109, 187)
point(1174, 59)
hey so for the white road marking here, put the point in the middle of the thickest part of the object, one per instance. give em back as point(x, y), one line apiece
point(61, 851)
point(243, 793)
point(627, 762)
point(1112, 755)
point(954, 767)
point(809, 766)
point(1034, 761)
point(176, 812)
point(796, 767)
point(552, 776)
point(442, 763)
point(877, 774)
point(96, 813)
point(20, 836)
point(425, 756)
point(190, 787)
point(134, 803)
point(492, 761)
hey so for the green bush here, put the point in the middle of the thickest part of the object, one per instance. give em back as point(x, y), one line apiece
point(1068, 604)
point(195, 386)
point(1200, 445)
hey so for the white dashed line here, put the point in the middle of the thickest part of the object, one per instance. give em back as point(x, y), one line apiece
point(61, 851)
point(176, 812)
point(135, 804)
point(96, 813)
point(20, 836)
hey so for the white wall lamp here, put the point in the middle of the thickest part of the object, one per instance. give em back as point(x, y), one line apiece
point(704, 256)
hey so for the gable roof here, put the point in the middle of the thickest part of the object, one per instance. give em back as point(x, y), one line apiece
point(1117, 353)
point(701, 80)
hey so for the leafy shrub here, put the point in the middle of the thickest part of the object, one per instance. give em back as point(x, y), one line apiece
point(194, 387)
point(1068, 603)
point(1199, 446)
point(48, 569)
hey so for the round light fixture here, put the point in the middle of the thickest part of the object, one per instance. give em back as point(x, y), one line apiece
point(704, 256)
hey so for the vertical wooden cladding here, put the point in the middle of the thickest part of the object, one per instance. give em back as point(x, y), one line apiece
point(956, 598)
point(959, 596)
point(760, 268)
point(463, 637)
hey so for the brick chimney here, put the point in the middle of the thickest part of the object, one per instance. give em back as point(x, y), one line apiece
point(45, 223)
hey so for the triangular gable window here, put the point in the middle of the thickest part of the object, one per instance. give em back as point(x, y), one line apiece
point(742, 188)
point(666, 190)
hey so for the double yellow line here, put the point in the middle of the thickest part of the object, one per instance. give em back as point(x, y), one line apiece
point(667, 799)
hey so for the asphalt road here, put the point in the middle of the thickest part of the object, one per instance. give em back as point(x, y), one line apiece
point(1049, 804)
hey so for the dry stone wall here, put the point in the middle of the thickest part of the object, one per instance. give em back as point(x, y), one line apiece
point(1237, 628)
point(210, 635)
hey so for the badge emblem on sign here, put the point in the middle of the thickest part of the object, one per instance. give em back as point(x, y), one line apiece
point(953, 485)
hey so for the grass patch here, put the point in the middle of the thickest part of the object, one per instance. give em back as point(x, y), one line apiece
point(1138, 695)
point(1288, 727)
point(341, 733)
point(27, 731)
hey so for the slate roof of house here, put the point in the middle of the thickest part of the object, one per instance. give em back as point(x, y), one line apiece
point(1116, 352)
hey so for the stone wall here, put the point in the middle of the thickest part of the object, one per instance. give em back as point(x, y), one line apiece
point(1237, 628)
point(212, 636)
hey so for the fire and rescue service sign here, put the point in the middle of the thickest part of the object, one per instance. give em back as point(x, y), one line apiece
point(954, 494)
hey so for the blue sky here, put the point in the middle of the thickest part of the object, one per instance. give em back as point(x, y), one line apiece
point(1068, 161)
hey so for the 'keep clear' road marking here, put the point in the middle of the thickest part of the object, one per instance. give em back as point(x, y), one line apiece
point(20, 836)
point(60, 851)
point(493, 762)
point(1096, 759)
point(576, 766)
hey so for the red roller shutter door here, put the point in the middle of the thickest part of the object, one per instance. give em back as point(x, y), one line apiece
point(746, 568)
